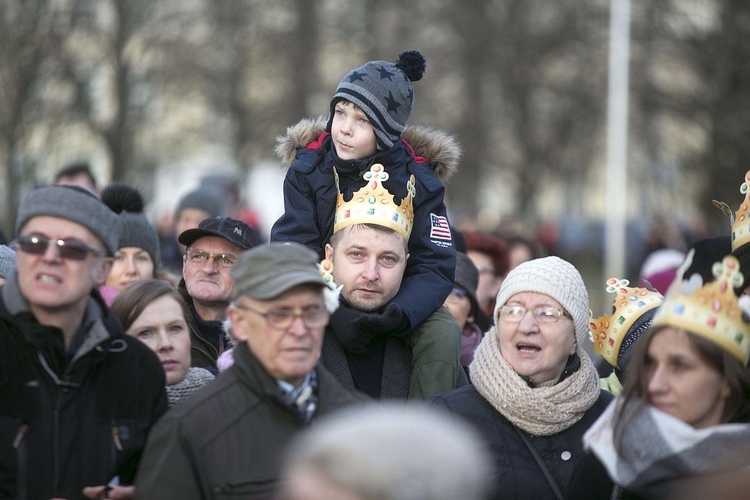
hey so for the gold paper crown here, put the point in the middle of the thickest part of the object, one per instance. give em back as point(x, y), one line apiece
point(711, 311)
point(630, 304)
point(373, 204)
point(740, 220)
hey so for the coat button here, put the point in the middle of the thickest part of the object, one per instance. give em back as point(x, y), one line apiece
point(566, 455)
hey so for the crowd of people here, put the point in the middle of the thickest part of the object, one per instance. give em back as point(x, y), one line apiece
point(371, 350)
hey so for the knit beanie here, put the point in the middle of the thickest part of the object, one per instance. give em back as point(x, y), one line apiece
point(383, 91)
point(7, 261)
point(467, 277)
point(75, 204)
point(204, 198)
point(135, 230)
point(556, 278)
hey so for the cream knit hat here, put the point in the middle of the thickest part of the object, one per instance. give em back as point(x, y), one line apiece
point(554, 277)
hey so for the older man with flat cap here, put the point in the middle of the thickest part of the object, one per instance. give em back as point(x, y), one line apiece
point(77, 395)
point(228, 440)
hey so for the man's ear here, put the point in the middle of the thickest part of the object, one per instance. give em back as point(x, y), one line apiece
point(234, 314)
point(329, 252)
point(102, 271)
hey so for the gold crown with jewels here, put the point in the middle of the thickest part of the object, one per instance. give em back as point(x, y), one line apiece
point(740, 220)
point(711, 310)
point(630, 304)
point(374, 204)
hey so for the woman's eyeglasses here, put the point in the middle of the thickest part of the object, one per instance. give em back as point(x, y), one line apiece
point(68, 249)
point(542, 314)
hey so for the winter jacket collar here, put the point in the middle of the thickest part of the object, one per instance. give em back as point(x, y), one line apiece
point(93, 325)
point(428, 145)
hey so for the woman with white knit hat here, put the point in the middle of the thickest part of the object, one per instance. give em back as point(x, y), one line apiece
point(535, 389)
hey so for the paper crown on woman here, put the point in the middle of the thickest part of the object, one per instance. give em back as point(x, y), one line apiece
point(374, 204)
point(711, 310)
point(633, 308)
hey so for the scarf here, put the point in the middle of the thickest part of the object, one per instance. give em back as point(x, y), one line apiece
point(658, 448)
point(540, 411)
point(194, 380)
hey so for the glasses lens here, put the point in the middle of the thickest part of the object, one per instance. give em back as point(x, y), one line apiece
point(315, 318)
point(72, 250)
point(459, 292)
point(33, 245)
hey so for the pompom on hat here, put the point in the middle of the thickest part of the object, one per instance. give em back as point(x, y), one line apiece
point(556, 278)
point(135, 229)
point(383, 91)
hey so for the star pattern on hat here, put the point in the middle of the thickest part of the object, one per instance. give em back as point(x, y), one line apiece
point(393, 104)
point(384, 73)
point(356, 75)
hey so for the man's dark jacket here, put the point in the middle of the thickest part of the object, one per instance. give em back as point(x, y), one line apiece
point(228, 440)
point(66, 424)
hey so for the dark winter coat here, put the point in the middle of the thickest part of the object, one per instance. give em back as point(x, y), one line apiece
point(310, 202)
point(517, 475)
point(228, 440)
point(208, 340)
point(67, 424)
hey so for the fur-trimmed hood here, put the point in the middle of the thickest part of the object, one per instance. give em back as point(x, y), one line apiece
point(440, 149)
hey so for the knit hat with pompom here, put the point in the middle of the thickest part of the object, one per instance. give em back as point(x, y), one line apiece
point(556, 278)
point(384, 92)
point(135, 229)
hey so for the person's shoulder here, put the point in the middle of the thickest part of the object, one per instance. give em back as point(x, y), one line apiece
point(457, 398)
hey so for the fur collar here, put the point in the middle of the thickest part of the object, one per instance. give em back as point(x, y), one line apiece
point(440, 149)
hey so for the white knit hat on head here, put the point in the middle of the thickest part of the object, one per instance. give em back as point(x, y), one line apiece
point(555, 277)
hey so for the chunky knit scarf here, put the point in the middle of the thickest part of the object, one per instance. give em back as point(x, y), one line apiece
point(658, 448)
point(194, 380)
point(540, 411)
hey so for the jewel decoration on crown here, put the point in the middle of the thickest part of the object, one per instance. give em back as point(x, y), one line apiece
point(374, 204)
point(331, 292)
point(712, 311)
point(608, 331)
point(740, 220)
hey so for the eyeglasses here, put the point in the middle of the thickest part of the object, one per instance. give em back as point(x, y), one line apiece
point(459, 293)
point(68, 249)
point(282, 319)
point(220, 259)
point(542, 314)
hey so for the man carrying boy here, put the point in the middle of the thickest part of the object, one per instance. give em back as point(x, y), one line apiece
point(367, 118)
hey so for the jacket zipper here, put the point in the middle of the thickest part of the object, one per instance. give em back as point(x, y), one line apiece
point(19, 444)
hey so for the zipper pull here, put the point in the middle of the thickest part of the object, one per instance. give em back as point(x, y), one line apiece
point(22, 431)
point(116, 437)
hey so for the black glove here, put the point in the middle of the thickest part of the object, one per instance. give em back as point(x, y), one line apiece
point(351, 337)
point(392, 321)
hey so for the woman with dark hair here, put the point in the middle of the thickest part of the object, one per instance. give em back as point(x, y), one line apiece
point(684, 412)
point(155, 313)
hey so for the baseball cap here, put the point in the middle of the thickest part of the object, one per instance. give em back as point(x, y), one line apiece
point(233, 230)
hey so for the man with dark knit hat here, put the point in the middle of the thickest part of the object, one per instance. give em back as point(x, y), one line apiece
point(229, 440)
point(211, 250)
point(77, 396)
point(366, 128)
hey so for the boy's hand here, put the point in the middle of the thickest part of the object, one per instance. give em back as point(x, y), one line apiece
point(392, 321)
point(352, 338)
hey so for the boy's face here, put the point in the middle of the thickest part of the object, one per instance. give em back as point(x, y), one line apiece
point(352, 133)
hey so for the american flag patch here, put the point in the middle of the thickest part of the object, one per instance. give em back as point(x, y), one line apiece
point(439, 227)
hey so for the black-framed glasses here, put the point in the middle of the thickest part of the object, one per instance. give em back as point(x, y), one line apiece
point(313, 317)
point(542, 314)
point(222, 260)
point(68, 249)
